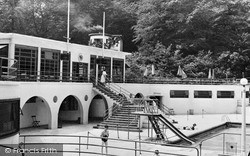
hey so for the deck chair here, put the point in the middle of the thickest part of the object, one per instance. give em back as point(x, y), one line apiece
point(35, 123)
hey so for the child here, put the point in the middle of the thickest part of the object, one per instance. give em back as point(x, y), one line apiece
point(104, 137)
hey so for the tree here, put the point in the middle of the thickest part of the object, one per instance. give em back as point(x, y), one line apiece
point(11, 16)
point(218, 28)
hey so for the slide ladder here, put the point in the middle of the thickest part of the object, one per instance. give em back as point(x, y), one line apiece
point(174, 129)
point(154, 121)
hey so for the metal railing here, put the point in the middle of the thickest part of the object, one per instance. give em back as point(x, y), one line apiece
point(223, 143)
point(51, 76)
point(118, 89)
point(81, 144)
point(194, 81)
point(111, 111)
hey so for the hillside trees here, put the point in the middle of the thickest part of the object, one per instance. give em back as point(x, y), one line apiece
point(205, 34)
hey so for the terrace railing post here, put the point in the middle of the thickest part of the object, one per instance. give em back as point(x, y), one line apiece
point(0, 67)
point(148, 127)
point(117, 131)
point(88, 141)
point(128, 131)
point(135, 148)
point(223, 144)
point(24, 139)
point(200, 148)
point(79, 146)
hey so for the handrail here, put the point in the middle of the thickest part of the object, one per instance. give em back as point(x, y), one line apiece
point(216, 135)
point(119, 89)
point(113, 109)
point(194, 81)
point(166, 110)
point(130, 123)
point(135, 149)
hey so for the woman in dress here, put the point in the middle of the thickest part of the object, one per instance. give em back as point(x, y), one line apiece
point(103, 77)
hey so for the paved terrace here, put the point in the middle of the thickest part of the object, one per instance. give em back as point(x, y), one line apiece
point(203, 122)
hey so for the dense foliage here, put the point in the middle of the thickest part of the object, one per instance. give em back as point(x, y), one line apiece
point(194, 34)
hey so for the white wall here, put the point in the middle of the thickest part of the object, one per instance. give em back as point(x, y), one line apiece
point(182, 105)
point(10, 140)
point(9, 90)
point(39, 109)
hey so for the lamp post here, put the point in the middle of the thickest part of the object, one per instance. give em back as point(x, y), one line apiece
point(243, 82)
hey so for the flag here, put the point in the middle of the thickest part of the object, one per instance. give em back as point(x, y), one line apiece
point(153, 69)
point(181, 73)
point(146, 72)
point(209, 73)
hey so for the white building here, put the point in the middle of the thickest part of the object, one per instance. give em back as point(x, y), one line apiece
point(54, 82)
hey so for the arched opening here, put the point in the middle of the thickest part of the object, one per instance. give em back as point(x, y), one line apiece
point(70, 111)
point(38, 107)
point(139, 95)
point(97, 109)
point(157, 99)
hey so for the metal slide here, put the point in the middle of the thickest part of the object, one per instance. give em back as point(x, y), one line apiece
point(174, 129)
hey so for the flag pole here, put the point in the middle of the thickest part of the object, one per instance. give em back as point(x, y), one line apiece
point(68, 22)
point(103, 33)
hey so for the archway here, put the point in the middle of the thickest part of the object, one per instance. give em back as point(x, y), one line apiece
point(97, 109)
point(38, 107)
point(139, 95)
point(70, 111)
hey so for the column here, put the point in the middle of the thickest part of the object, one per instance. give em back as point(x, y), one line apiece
point(39, 64)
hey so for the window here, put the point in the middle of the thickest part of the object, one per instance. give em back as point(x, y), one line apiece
point(179, 93)
point(104, 62)
point(202, 94)
point(80, 71)
point(9, 116)
point(118, 65)
point(225, 94)
point(50, 64)
point(65, 66)
point(4, 48)
point(27, 61)
point(92, 66)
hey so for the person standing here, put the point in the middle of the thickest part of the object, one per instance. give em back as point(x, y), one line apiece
point(103, 77)
point(104, 137)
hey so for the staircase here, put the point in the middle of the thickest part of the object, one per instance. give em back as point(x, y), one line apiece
point(119, 115)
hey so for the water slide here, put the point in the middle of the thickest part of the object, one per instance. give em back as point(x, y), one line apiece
point(174, 129)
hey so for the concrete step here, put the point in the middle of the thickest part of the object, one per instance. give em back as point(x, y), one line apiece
point(119, 120)
point(119, 128)
point(119, 125)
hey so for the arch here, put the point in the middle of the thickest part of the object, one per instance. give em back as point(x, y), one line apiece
point(139, 95)
point(97, 108)
point(39, 107)
point(70, 111)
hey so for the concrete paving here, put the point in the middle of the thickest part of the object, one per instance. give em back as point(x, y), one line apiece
point(202, 121)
